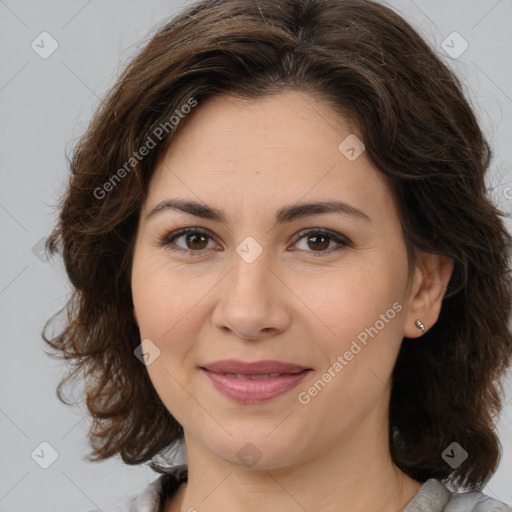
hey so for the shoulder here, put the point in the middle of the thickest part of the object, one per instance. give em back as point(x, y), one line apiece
point(475, 501)
point(434, 496)
point(148, 500)
point(153, 496)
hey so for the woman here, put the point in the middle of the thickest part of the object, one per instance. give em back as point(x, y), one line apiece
point(283, 254)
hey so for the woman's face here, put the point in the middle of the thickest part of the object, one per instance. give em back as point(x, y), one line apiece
point(324, 290)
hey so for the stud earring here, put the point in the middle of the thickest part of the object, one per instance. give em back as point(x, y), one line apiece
point(419, 325)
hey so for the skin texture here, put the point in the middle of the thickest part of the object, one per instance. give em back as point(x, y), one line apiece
point(299, 301)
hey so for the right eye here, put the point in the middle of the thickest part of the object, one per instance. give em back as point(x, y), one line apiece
point(195, 239)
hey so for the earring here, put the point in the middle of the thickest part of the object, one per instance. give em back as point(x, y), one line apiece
point(419, 325)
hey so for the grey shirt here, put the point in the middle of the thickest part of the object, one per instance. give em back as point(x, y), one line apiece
point(432, 497)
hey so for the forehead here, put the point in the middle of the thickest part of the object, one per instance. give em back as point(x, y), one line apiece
point(278, 150)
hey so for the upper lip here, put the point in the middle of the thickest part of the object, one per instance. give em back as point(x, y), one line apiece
point(255, 368)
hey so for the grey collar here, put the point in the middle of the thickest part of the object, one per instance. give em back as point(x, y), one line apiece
point(432, 497)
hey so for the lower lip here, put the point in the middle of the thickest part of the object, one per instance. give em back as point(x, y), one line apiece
point(249, 391)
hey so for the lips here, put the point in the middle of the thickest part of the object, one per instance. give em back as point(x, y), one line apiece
point(254, 383)
point(258, 368)
point(253, 376)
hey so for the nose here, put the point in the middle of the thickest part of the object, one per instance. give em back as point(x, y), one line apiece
point(252, 300)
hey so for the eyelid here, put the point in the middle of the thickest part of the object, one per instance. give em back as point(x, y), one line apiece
point(338, 237)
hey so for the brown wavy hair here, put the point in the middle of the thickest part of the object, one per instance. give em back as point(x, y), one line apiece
point(375, 70)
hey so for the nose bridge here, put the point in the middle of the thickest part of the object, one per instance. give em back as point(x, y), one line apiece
point(250, 265)
point(249, 301)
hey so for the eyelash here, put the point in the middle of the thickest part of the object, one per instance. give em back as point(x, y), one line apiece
point(167, 239)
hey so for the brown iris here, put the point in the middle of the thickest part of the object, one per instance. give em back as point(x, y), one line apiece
point(325, 243)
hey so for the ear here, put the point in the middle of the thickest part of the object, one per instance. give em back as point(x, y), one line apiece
point(428, 287)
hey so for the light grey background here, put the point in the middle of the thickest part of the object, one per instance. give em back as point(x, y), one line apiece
point(45, 105)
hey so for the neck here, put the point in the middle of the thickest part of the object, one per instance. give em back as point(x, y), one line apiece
point(357, 474)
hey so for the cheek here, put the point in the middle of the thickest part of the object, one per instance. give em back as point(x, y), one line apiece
point(164, 307)
point(365, 313)
point(169, 299)
point(162, 296)
point(353, 298)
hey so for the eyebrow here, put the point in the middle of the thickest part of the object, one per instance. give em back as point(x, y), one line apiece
point(285, 214)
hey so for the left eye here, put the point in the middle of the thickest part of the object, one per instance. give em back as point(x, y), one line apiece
point(197, 239)
point(322, 238)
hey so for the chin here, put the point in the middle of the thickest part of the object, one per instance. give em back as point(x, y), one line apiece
point(257, 452)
